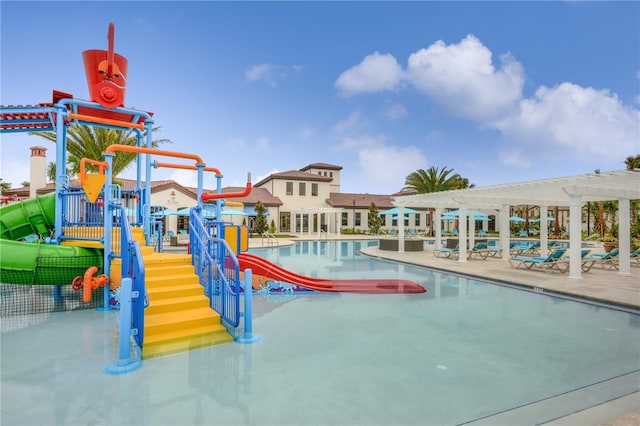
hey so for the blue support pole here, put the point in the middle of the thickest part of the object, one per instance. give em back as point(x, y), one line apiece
point(61, 163)
point(108, 227)
point(248, 336)
point(125, 363)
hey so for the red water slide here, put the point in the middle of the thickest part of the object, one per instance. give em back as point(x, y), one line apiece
point(265, 268)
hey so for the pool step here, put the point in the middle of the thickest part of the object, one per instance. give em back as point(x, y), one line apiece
point(178, 317)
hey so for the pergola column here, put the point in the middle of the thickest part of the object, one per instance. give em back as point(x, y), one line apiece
point(462, 234)
point(575, 236)
point(544, 231)
point(503, 231)
point(401, 229)
point(624, 236)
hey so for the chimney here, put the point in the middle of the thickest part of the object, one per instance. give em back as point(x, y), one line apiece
point(38, 172)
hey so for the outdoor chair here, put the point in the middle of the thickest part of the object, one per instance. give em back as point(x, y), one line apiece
point(635, 255)
point(479, 250)
point(547, 263)
point(608, 260)
point(446, 252)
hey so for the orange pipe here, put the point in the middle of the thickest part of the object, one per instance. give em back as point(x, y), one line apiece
point(102, 165)
point(91, 283)
point(188, 167)
point(101, 120)
point(128, 148)
point(218, 195)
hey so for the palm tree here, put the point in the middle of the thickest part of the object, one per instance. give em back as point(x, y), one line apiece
point(85, 141)
point(435, 180)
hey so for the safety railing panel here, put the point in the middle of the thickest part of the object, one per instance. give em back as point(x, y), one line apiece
point(217, 267)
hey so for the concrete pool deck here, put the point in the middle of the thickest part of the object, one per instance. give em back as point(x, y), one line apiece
point(597, 286)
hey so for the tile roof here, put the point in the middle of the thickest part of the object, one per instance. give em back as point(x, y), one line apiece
point(321, 166)
point(363, 201)
point(295, 175)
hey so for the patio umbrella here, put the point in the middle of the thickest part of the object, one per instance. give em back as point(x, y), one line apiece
point(549, 219)
point(454, 214)
point(516, 219)
point(396, 210)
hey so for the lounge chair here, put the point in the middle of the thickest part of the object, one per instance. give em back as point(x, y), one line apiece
point(608, 260)
point(518, 248)
point(446, 252)
point(482, 233)
point(412, 233)
point(524, 233)
point(479, 250)
point(635, 255)
point(547, 263)
point(586, 262)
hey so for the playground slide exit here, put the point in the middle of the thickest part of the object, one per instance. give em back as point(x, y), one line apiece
point(265, 268)
point(38, 263)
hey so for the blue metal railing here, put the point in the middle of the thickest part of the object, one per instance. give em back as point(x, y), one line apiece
point(133, 300)
point(217, 267)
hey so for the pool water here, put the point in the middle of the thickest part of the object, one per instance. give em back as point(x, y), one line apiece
point(466, 351)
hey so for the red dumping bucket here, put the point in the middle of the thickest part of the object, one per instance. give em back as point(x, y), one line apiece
point(106, 86)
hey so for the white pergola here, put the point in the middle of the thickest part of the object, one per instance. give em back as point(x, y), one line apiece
point(572, 191)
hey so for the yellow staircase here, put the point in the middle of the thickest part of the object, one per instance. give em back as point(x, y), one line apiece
point(178, 317)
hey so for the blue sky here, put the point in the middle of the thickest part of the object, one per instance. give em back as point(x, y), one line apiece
point(498, 91)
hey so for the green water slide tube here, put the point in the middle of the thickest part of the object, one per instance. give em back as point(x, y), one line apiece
point(23, 262)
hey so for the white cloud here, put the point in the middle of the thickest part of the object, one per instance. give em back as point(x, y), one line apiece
point(395, 111)
point(585, 123)
point(306, 132)
point(375, 73)
point(268, 73)
point(387, 166)
point(379, 162)
point(565, 121)
point(463, 79)
point(262, 144)
point(185, 177)
point(15, 172)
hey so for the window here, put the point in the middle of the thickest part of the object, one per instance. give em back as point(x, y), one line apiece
point(314, 189)
point(289, 188)
point(330, 174)
point(417, 220)
point(302, 189)
point(358, 219)
point(345, 219)
point(319, 173)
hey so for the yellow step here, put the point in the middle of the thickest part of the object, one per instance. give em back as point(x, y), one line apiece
point(175, 291)
point(179, 320)
point(158, 306)
point(167, 345)
point(173, 280)
point(153, 271)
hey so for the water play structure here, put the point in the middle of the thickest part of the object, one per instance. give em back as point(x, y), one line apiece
point(97, 237)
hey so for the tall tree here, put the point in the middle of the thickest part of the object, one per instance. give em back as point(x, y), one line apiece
point(374, 220)
point(435, 180)
point(260, 226)
point(85, 141)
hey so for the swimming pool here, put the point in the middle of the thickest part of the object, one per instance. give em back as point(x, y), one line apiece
point(466, 351)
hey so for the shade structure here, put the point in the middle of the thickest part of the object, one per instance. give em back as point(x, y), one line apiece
point(454, 215)
point(396, 211)
point(516, 219)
